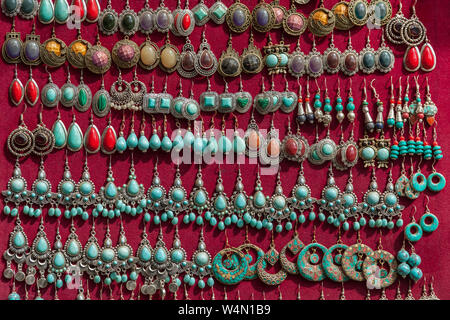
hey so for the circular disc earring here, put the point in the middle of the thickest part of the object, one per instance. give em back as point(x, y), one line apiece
point(309, 262)
point(413, 31)
point(125, 53)
point(358, 12)
point(238, 17)
point(428, 222)
point(263, 17)
point(340, 11)
point(77, 51)
point(321, 21)
point(394, 26)
point(229, 63)
point(108, 20)
point(53, 51)
point(294, 23)
point(21, 140)
point(98, 58)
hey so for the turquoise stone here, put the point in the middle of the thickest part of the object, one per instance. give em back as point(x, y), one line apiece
point(92, 251)
point(327, 149)
point(111, 190)
point(271, 60)
point(380, 10)
point(59, 261)
point(178, 143)
point(143, 143)
point(226, 102)
point(17, 185)
point(178, 106)
point(67, 187)
point(68, 94)
point(368, 153)
point(145, 254)
point(360, 10)
point(348, 200)
point(188, 139)
point(220, 11)
point(390, 199)
point(166, 143)
point(46, 11)
point(61, 10)
point(107, 255)
point(73, 249)
point(41, 187)
point(279, 202)
point(238, 145)
point(259, 200)
point(201, 258)
point(123, 252)
point(240, 202)
point(221, 203)
point(151, 103)
point(209, 101)
point(283, 59)
point(50, 95)
point(86, 188)
point(191, 109)
point(200, 14)
point(156, 194)
point(177, 256)
point(160, 255)
point(383, 154)
point(19, 240)
point(60, 133)
point(212, 145)
point(200, 198)
point(121, 144)
point(224, 144)
point(102, 102)
point(178, 195)
point(42, 245)
point(369, 60)
point(75, 137)
point(301, 192)
point(132, 140)
point(132, 187)
point(331, 194)
point(373, 198)
point(164, 103)
point(288, 101)
point(155, 142)
point(385, 59)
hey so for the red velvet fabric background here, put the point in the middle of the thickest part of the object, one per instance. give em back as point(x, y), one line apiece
point(433, 248)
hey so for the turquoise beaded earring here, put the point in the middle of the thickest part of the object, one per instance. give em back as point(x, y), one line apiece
point(279, 207)
point(349, 206)
point(85, 195)
point(178, 258)
point(177, 201)
point(257, 206)
point(390, 207)
point(108, 198)
point(40, 193)
point(58, 263)
point(66, 193)
point(220, 204)
point(309, 262)
point(16, 191)
point(301, 199)
point(330, 201)
point(425, 223)
point(372, 201)
point(156, 198)
point(270, 257)
point(132, 194)
point(239, 202)
point(143, 143)
point(198, 201)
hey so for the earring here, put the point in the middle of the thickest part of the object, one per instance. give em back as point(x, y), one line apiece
point(331, 263)
point(187, 57)
point(349, 59)
point(170, 56)
point(128, 21)
point(101, 102)
point(413, 32)
point(92, 137)
point(295, 245)
point(271, 147)
point(331, 201)
point(184, 22)
point(308, 261)
point(288, 98)
point(77, 51)
point(382, 12)
point(279, 207)
point(413, 231)
point(132, 194)
point(297, 61)
point(390, 204)
point(301, 198)
point(239, 201)
point(229, 63)
point(201, 258)
point(321, 21)
point(177, 197)
point(372, 203)
point(271, 257)
point(16, 191)
point(243, 98)
point(257, 207)
point(385, 59)
point(121, 94)
point(206, 63)
point(40, 193)
point(212, 146)
point(358, 12)
point(46, 13)
point(217, 12)
point(198, 201)
point(349, 202)
point(238, 17)
point(353, 259)
point(424, 295)
point(84, 95)
point(138, 90)
point(59, 132)
point(50, 93)
point(331, 57)
point(16, 90)
point(108, 20)
point(429, 222)
point(234, 269)
point(97, 57)
point(108, 196)
point(53, 51)
point(191, 108)
point(11, 9)
point(12, 46)
point(144, 143)
point(314, 62)
point(253, 139)
point(340, 11)
point(350, 107)
point(227, 100)
point(379, 122)
point(149, 56)
point(245, 248)
point(294, 23)
point(221, 209)
point(44, 140)
point(251, 59)
point(436, 181)
point(394, 26)
point(201, 13)
point(68, 92)
point(432, 295)
point(31, 90)
point(30, 50)
point(367, 60)
point(263, 17)
point(427, 57)
point(125, 53)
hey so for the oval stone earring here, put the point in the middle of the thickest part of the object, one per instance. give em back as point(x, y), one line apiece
point(50, 93)
point(30, 50)
point(12, 46)
point(68, 92)
point(108, 20)
point(229, 63)
point(238, 17)
point(331, 57)
point(367, 57)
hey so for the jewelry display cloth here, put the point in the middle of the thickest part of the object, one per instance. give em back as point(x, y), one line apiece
point(434, 248)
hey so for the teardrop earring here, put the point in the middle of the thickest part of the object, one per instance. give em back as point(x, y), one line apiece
point(206, 63)
point(271, 154)
point(220, 204)
point(143, 143)
point(239, 201)
point(132, 194)
point(60, 132)
point(74, 136)
point(15, 193)
point(132, 140)
point(186, 67)
point(257, 207)
point(50, 93)
point(427, 57)
point(31, 90)
point(16, 90)
point(92, 137)
point(46, 13)
point(201, 258)
point(198, 201)
point(155, 141)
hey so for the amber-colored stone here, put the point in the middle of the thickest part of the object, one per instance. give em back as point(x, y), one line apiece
point(79, 48)
point(168, 58)
point(53, 46)
point(341, 9)
point(321, 17)
point(273, 148)
point(148, 55)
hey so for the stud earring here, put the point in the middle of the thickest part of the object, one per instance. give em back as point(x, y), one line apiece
point(98, 58)
point(314, 62)
point(229, 64)
point(238, 17)
point(270, 257)
point(84, 95)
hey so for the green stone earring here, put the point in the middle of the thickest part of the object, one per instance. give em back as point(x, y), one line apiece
point(108, 21)
point(243, 98)
point(217, 12)
point(367, 58)
point(332, 261)
point(201, 15)
point(46, 12)
point(209, 100)
point(101, 102)
point(263, 101)
point(84, 95)
point(289, 98)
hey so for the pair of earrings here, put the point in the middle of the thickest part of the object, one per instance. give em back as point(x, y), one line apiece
point(17, 92)
point(26, 9)
point(378, 13)
point(408, 263)
point(270, 101)
point(276, 56)
point(127, 95)
point(127, 22)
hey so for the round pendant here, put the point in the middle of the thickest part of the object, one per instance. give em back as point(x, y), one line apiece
point(309, 264)
point(372, 272)
point(238, 17)
point(351, 263)
point(358, 12)
point(340, 11)
point(30, 52)
point(146, 20)
point(125, 54)
point(53, 52)
point(50, 95)
point(331, 59)
point(186, 67)
point(294, 23)
point(321, 22)
point(251, 59)
point(149, 55)
point(128, 22)
point(229, 63)
point(44, 140)
point(21, 142)
point(263, 17)
point(108, 21)
point(413, 32)
point(169, 58)
point(98, 59)
point(76, 52)
point(332, 263)
point(12, 47)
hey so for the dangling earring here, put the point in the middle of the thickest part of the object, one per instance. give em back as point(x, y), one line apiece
point(432, 295)
point(42, 191)
point(108, 196)
point(295, 245)
point(340, 11)
point(349, 59)
point(121, 143)
point(46, 13)
point(97, 57)
point(128, 21)
point(44, 140)
point(238, 17)
point(21, 140)
point(331, 263)
point(58, 262)
point(201, 13)
point(371, 204)
point(238, 141)
point(427, 57)
point(92, 137)
point(178, 103)
point(68, 92)
point(358, 12)
point(132, 194)
point(251, 59)
point(263, 101)
point(108, 20)
point(367, 57)
point(217, 12)
point(353, 258)
point(155, 141)
point(270, 257)
point(243, 99)
point(30, 50)
point(187, 57)
point(177, 197)
point(288, 98)
point(168, 50)
point(239, 201)
point(301, 199)
point(424, 295)
point(16, 191)
point(198, 200)
point(294, 23)
point(229, 63)
point(149, 51)
point(221, 209)
point(314, 62)
point(332, 57)
point(330, 202)
point(31, 90)
point(350, 107)
point(297, 61)
point(206, 63)
point(85, 195)
point(101, 102)
point(12, 45)
point(321, 21)
point(253, 139)
point(132, 140)
point(394, 26)
point(295, 147)
point(279, 207)
point(202, 259)
point(308, 261)
point(257, 207)
point(53, 51)
point(272, 146)
point(263, 17)
point(84, 95)
point(413, 32)
point(385, 59)
point(184, 22)
point(391, 206)
point(77, 51)
point(16, 90)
